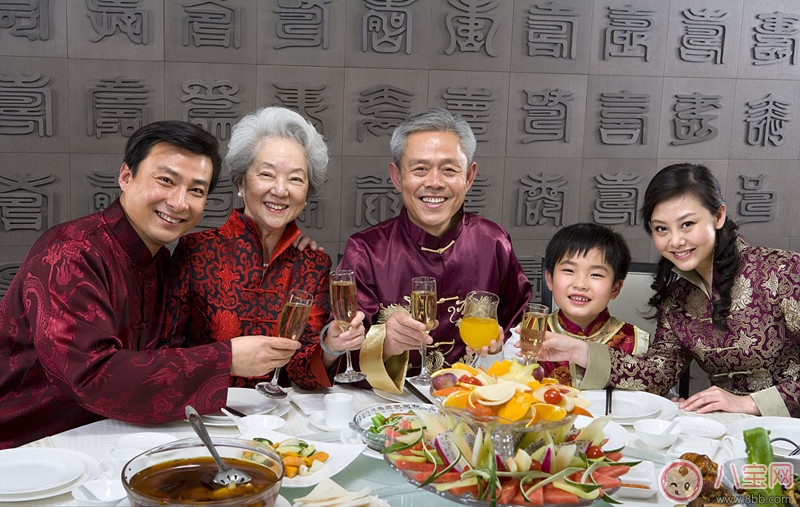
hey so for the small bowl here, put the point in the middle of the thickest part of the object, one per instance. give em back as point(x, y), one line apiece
point(99, 493)
point(259, 422)
point(362, 421)
point(650, 431)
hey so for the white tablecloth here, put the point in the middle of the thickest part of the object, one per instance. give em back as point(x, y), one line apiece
point(98, 438)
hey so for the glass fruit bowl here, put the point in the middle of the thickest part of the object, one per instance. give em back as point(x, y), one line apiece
point(363, 422)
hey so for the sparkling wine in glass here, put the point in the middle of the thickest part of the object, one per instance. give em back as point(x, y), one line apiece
point(423, 309)
point(344, 305)
point(531, 332)
point(291, 325)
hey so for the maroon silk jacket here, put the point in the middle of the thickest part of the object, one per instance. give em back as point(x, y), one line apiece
point(220, 289)
point(78, 329)
point(476, 254)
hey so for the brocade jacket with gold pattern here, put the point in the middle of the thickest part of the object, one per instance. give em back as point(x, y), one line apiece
point(220, 288)
point(758, 355)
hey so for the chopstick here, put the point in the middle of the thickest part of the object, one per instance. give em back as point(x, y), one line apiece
point(235, 412)
point(609, 391)
point(416, 392)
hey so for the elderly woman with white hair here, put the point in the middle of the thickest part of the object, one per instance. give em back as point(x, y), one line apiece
point(234, 280)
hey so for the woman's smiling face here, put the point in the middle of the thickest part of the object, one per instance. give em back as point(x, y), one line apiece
point(685, 233)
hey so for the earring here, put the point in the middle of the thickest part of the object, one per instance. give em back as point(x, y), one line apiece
point(304, 203)
point(239, 194)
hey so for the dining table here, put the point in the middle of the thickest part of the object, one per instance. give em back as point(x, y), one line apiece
point(367, 470)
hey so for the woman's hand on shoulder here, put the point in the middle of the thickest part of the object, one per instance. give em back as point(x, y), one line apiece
point(717, 399)
point(302, 241)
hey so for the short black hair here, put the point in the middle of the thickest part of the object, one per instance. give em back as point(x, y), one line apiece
point(580, 238)
point(181, 134)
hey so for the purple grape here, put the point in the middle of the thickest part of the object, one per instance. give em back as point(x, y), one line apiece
point(444, 381)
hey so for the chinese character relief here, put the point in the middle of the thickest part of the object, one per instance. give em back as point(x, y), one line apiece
point(211, 23)
point(29, 19)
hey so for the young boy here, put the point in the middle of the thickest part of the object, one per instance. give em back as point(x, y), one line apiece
point(585, 266)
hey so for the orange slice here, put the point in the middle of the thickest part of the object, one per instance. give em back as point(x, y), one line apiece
point(499, 368)
point(457, 399)
point(447, 391)
point(517, 407)
point(462, 366)
point(549, 412)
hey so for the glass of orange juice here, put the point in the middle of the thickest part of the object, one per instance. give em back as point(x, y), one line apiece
point(479, 319)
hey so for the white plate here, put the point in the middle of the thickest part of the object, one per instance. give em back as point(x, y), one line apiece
point(317, 420)
point(348, 436)
point(91, 469)
point(643, 474)
point(404, 397)
point(689, 443)
point(785, 427)
point(617, 436)
point(36, 469)
point(700, 426)
point(341, 455)
point(308, 402)
point(245, 400)
point(143, 441)
point(627, 406)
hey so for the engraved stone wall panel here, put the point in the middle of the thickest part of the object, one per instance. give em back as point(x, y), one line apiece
point(546, 115)
point(481, 98)
point(758, 193)
point(205, 31)
point(612, 194)
point(769, 40)
point(766, 120)
point(367, 194)
point(471, 34)
point(34, 28)
point(393, 34)
point(488, 189)
point(303, 33)
point(375, 102)
point(214, 96)
point(629, 38)
point(94, 183)
point(551, 36)
point(622, 117)
point(541, 196)
point(704, 39)
point(530, 253)
point(110, 100)
point(320, 218)
point(315, 92)
point(34, 195)
point(131, 30)
point(696, 118)
point(33, 103)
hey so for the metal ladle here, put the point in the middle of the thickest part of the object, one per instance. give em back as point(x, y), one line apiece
point(226, 474)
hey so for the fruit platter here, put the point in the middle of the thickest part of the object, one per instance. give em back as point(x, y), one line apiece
point(539, 458)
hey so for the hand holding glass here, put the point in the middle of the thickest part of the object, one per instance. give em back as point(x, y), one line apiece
point(532, 329)
point(423, 309)
point(294, 317)
point(344, 305)
point(479, 320)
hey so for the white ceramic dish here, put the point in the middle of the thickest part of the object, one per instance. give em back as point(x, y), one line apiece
point(653, 432)
point(348, 436)
point(143, 440)
point(91, 469)
point(341, 455)
point(104, 493)
point(617, 436)
point(259, 422)
point(317, 420)
point(700, 426)
point(627, 406)
point(690, 443)
point(247, 401)
point(36, 469)
point(643, 474)
point(785, 427)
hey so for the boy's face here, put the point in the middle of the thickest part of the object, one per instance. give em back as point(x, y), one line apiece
point(582, 286)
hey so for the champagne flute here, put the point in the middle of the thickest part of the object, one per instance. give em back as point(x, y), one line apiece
point(423, 309)
point(291, 325)
point(344, 305)
point(531, 332)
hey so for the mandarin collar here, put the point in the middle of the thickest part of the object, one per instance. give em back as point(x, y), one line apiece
point(429, 241)
point(130, 241)
point(290, 233)
point(593, 326)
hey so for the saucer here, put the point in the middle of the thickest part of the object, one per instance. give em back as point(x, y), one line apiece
point(317, 420)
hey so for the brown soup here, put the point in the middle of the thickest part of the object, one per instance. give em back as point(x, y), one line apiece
point(191, 480)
